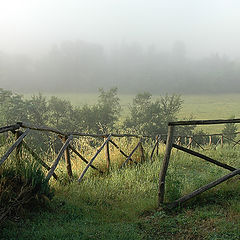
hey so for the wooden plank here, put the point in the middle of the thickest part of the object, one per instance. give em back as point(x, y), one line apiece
point(154, 147)
point(163, 172)
point(157, 151)
point(210, 141)
point(123, 153)
point(93, 158)
point(130, 155)
point(15, 144)
point(37, 158)
point(204, 188)
point(223, 165)
point(41, 128)
point(53, 130)
point(142, 156)
point(68, 159)
point(189, 143)
point(82, 158)
point(19, 147)
point(107, 154)
point(53, 167)
point(9, 128)
point(204, 122)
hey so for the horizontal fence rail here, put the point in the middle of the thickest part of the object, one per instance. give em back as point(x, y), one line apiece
point(170, 139)
point(170, 144)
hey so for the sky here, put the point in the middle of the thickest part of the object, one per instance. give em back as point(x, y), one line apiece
point(205, 26)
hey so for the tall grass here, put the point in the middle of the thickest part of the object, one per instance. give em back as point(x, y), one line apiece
point(22, 185)
point(121, 204)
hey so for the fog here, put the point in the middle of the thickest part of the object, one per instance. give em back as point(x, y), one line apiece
point(137, 45)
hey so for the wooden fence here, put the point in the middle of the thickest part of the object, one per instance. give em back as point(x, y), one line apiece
point(67, 138)
point(170, 144)
point(21, 130)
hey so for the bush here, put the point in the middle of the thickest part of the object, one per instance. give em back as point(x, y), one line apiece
point(22, 186)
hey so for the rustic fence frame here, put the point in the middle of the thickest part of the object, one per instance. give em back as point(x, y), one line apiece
point(165, 164)
point(66, 138)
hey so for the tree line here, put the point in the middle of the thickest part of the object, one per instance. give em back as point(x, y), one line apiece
point(146, 116)
point(83, 67)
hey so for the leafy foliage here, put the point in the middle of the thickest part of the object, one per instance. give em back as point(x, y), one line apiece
point(149, 117)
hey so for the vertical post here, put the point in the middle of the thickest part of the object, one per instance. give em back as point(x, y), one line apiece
point(67, 159)
point(163, 172)
point(141, 153)
point(157, 139)
point(107, 153)
point(210, 140)
point(221, 140)
point(19, 147)
point(190, 142)
point(179, 141)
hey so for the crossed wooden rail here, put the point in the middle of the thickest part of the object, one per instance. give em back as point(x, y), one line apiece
point(67, 139)
point(170, 145)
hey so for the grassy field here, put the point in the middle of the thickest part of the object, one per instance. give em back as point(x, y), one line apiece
point(122, 204)
point(215, 106)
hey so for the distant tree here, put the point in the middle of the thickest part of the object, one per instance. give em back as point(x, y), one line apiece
point(12, 107)
point(60, 114)
point(37, 110)
point(108, 109)
point(150, 117)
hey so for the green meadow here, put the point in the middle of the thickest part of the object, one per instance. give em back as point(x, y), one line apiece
point(122, 203)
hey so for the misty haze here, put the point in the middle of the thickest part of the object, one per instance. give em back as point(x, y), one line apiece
point(157, 46)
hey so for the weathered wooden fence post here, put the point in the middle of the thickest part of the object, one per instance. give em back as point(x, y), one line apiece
point(157, 141)
point(142, 157)
point(19, 147)
point(163, 172)
point(179, 141)
point(107, 153)
point(210, 140)
point(190, 142)
point(67, 158)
